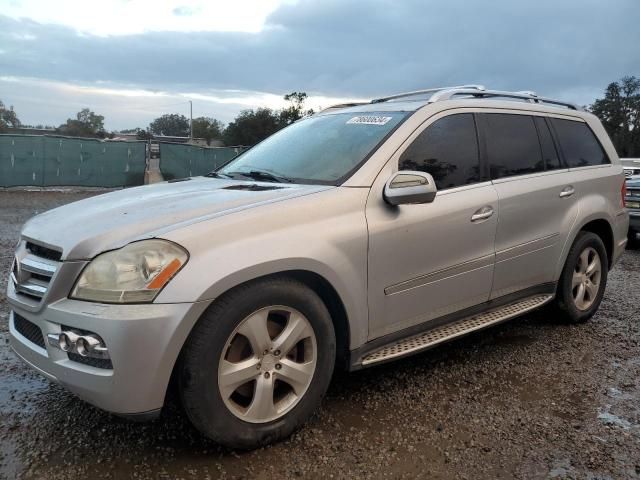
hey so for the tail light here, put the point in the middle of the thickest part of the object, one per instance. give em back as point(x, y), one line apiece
point(623, 193)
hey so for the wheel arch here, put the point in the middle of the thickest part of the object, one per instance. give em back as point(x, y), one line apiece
point(603, 229)
point(597, 224)
point(316, 282)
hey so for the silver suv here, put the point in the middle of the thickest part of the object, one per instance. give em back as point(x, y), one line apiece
point(357, 236)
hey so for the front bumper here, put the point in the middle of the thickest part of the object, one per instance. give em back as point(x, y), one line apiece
point(143, 341)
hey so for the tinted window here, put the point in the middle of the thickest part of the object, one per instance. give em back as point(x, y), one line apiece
point(513, 147)
point(578, 143)
point(549, 153)
point(448, 150)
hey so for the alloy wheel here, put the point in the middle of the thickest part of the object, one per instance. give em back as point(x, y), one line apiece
point(267, 364)
point(585, 283)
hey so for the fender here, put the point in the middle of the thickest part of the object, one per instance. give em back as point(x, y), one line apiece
point(577, 227)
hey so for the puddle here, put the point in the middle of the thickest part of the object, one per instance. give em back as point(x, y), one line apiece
point(609, 418)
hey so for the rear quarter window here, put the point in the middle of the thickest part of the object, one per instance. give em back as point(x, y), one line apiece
point(579, 144)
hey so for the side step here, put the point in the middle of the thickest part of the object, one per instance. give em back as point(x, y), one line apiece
point(450, 331)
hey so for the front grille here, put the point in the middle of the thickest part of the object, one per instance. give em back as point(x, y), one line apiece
point(28, 330)
point(104, 363)
point(32, 270)
point(44, 252)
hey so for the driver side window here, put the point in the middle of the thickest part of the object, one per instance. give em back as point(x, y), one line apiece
point(448, 150)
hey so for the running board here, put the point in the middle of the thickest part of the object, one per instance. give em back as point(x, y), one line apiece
point(444, 333)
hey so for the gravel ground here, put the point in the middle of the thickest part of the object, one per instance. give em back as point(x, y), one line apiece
point(532, 398)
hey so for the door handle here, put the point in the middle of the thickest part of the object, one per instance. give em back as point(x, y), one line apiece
point(567, 191)
point(482, 214)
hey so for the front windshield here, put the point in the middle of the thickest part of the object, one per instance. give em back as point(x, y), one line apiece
point(322, 149)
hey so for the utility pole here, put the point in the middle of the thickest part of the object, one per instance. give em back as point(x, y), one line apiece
point(190, 121)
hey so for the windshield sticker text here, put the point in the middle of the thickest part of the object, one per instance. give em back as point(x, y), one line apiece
point(369, 120)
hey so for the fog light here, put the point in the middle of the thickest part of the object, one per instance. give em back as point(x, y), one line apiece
point(81, 342)
point(86, 344)
point(67, 341)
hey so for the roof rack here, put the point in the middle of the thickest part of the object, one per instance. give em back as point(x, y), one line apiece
point(476, 91)
point(428, 90)
point(450, 93)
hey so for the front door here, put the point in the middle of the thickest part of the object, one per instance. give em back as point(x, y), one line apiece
point(429, 260)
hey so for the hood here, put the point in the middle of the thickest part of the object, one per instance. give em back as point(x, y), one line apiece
point(86, 228)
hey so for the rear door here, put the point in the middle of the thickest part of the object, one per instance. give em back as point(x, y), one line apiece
point(537, 201)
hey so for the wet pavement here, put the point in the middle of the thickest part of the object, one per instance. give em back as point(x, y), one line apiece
point(533, 398)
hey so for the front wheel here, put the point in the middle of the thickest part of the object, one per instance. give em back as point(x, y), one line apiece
point(258, 363)
point(584, 278)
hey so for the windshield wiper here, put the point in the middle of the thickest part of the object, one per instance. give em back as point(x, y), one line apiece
point(217, 175)
point(262, 175)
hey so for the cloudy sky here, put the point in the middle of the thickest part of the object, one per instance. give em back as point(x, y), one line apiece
point(132, 60)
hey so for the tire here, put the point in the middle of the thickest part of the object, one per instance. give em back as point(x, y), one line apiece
point(571, 308)
point(243, 419)
point(633, 241)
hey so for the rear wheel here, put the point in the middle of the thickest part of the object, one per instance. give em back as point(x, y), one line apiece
point(584, 278)
point(258, 363)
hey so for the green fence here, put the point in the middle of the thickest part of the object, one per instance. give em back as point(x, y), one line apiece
point(29, 160)
point(180, 161)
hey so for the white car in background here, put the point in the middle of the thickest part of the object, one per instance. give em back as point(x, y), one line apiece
point(631, 166)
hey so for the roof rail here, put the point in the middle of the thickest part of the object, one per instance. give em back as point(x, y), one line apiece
point(343, 105)
point(450, 93)
point(428, 90)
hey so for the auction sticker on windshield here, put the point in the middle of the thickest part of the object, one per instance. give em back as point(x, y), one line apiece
point(369, 120)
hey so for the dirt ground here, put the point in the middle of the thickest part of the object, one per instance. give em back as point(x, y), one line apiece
point(532, 398)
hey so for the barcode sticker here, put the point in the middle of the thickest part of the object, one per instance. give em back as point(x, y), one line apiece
point(369, 120)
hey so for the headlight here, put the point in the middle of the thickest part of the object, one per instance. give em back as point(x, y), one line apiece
point(133, 274)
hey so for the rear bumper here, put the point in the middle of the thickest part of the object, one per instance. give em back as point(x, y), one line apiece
point(620, 231)
point(143, 341)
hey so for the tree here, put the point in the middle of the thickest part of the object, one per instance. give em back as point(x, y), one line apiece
point(8, 117)
point(252, 126)
point(295, 111)
point(207, 128)
point(142, 134)
point(619, 112)
point(172, 125)
point(86, 124)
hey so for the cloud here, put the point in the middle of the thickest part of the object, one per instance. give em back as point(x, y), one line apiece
point(185, 11)
point(125, 17)
point(569, 48)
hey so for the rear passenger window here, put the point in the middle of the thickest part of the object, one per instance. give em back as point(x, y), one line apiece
point(513, 147)
point(549, 153)
point(448, 150)
point(578, 143)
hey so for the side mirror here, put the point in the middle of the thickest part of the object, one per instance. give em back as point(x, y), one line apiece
point(410, 187)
